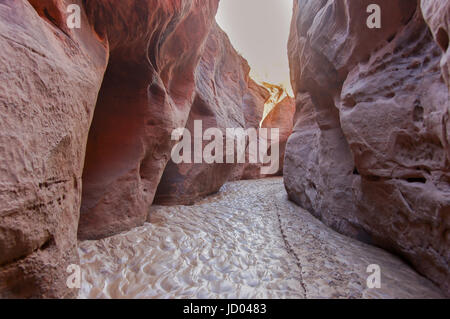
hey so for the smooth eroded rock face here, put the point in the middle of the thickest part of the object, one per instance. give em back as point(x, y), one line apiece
point(261, 246)
point(226, 97)
point(369, 151)
point(147, 92)
point(49, 79)
point(280, 117)
point(133, 62)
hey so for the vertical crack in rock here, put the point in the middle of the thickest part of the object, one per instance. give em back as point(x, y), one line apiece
point(291, 252)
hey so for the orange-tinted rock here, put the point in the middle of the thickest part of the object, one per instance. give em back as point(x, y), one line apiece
point(368, 155)
point(281, 117)
point(147, 92)
point(226, 97)
point(255, 99)
point(49, 79)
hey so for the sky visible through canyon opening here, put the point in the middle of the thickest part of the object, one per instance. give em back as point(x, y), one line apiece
point(259, 31)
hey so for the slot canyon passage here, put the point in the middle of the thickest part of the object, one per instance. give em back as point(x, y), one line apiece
point(86, 176)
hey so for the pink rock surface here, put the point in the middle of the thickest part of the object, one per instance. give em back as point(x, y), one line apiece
point(226, 97)
point(437, 15)
point(281, 118)
point(147, 92)
point(369, 152)
point(87, 118)
point(49, 79)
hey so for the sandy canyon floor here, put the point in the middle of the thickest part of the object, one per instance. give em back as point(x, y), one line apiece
point(248, 241)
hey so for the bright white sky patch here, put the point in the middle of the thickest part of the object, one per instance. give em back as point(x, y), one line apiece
point(259, 30)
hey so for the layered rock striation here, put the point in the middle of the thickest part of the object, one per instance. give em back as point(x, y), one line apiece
point(147, 93)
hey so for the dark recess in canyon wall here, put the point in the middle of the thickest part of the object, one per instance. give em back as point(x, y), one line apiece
point(279, 117)
point(369, 153)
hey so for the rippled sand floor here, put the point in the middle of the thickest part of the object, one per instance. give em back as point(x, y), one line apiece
point(248, 241)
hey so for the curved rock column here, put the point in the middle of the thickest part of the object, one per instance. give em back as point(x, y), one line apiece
point(49, 79)
point(369, 152)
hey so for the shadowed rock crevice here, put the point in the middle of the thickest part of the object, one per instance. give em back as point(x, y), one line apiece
point(53, 78)
point(52, 11)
